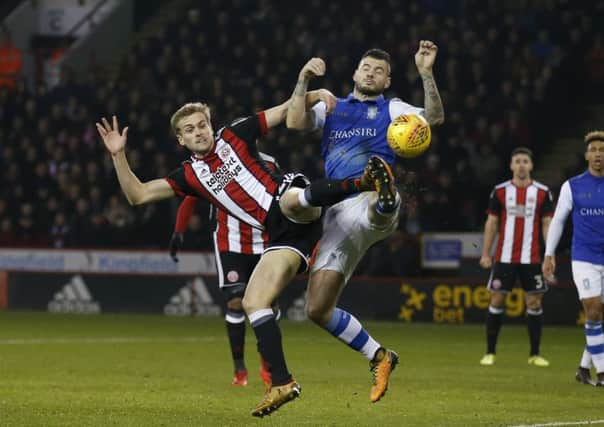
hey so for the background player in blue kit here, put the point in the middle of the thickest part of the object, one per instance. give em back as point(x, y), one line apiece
point(583, 196)
point(354, 129)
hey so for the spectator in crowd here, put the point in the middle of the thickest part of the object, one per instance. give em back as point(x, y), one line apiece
point(11, 61)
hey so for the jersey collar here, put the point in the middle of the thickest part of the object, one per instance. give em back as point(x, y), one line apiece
point(379, 100)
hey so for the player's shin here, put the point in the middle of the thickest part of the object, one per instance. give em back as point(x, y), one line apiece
point(534, 324)
point(494, 321)
point(327, 192)
point(349, 330)
point(235, 325)
point(270, 344)
point(595, 344)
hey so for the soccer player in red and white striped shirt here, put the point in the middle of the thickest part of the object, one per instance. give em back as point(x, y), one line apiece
point(226, 170)
point(237, 249)
point(520, 208)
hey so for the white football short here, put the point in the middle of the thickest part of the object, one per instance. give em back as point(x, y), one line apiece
point(589, 279)
point(347, 234)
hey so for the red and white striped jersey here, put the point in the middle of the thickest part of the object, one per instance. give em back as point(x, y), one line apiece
point(520, 211)
point(231, 234)
point(233, 177)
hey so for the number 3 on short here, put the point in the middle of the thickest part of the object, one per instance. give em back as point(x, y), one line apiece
point(538, 281)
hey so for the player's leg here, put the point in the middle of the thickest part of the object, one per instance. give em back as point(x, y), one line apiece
point(346, 237)
point(588, 280)
point(300, 204)
point(324, 289)
point(234, 270)
point(235, 326)
point(534, 286)
point(272, 273)
point(500, 283)
point(583, 374)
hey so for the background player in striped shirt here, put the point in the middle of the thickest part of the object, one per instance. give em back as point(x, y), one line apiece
point(237, 250)
point(520, 208)
point(226, 170)
point(354, 131)
point(583, 197)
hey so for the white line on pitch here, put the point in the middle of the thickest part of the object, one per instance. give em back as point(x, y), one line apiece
point(101, 340)
point(563, 423)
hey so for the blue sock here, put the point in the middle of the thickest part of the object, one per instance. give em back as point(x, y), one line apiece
point(348, 329)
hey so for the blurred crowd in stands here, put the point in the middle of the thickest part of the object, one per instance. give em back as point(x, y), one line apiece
point(505, 71)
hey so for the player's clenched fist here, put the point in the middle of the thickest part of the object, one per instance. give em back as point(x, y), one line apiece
point(425, 56)
point(314, 67)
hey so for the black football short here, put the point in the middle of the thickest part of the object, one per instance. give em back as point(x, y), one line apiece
point(234, 271)
point(504, 276)
point(284, 233)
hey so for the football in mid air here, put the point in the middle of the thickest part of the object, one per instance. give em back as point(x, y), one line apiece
point(409, 135)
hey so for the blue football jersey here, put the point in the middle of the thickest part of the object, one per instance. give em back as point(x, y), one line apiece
point(355, 131)
point(587, 193)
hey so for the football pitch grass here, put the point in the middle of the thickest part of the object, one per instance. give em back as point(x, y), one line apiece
point(118, 370)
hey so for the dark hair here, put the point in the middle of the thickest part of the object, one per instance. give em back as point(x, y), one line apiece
point(378, 54)
point(522, 150)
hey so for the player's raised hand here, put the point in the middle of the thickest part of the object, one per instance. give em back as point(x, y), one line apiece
point(314, 67)
point(425, 56)
point(112, 138)
point(548, 268)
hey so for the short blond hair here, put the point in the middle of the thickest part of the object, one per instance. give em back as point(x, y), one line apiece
point(185, 111)
point(594, 135)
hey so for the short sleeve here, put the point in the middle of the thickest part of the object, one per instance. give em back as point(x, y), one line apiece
point(178, 181)
point(318, 114)
point(494, 204)
point(547, 208)
point(250, 128)
point(397, 107)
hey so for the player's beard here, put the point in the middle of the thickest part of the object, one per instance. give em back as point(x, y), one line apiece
point(368, 91)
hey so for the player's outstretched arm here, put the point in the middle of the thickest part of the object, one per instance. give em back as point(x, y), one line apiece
point(276, 115)
point(424, 60)
point(136, 192)
point(297, 116)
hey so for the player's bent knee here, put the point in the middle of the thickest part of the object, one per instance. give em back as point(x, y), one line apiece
point(235, 303)
point(317, 314)
point(497, 299)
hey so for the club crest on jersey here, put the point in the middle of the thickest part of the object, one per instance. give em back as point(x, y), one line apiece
point(225, 152)
point(372, 112)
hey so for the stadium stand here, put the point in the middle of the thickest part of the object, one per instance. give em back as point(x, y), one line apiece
point(501, 68)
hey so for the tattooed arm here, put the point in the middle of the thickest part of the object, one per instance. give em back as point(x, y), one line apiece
point(297, 116)
point(424, 60)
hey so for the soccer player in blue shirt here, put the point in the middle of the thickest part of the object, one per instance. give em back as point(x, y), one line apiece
point(583, 197)
point(354, 130)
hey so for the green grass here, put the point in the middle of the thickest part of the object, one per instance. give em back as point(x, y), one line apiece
point(61, 370)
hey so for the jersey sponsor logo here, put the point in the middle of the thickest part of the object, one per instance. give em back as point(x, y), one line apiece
point(591, 211)
point(521, 210)
point(349, 133)
point(228, 171)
